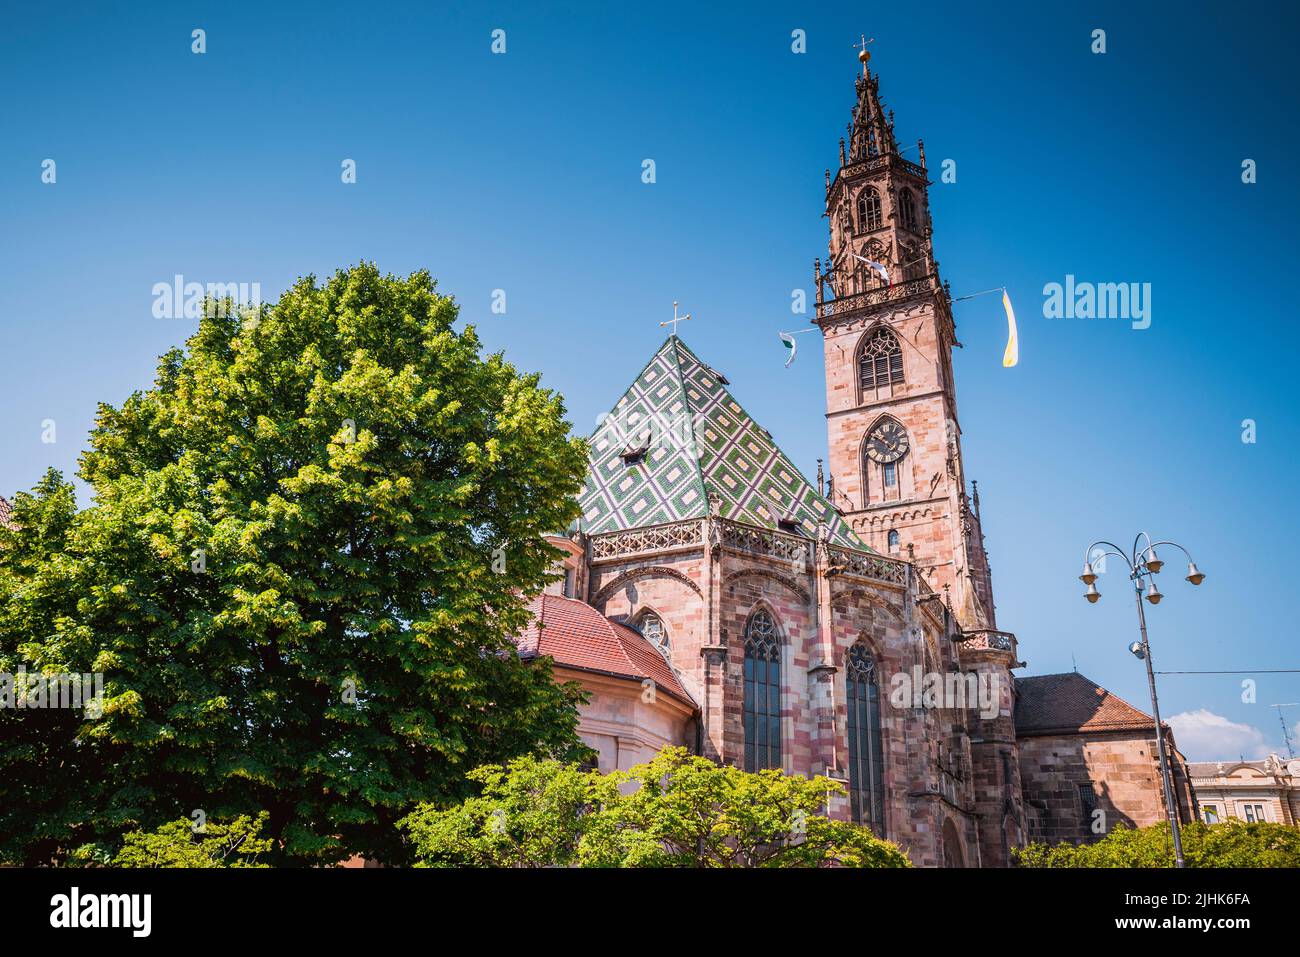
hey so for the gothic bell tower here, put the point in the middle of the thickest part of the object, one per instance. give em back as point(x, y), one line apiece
point(891, 407)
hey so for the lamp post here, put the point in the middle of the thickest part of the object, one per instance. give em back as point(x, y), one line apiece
point(1143, 565)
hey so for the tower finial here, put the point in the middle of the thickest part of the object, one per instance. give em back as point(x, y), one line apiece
point(863, 55)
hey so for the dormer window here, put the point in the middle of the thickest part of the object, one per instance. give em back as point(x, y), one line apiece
point(785, 521)
point(651, 627)
point(634, 454)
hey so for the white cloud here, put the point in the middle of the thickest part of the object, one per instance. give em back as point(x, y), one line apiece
point(1205, 736)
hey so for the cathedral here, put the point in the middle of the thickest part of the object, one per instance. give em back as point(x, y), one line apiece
point(714, 597)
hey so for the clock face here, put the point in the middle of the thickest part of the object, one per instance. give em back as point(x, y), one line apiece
point(887, 443)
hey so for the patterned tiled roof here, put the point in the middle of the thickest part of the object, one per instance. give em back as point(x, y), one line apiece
point(576, 635)
point(699, 440)
point(1067, 703)
point(5, 511)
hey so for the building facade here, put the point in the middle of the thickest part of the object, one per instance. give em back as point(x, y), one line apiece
point(1267, 790)
point(847, 627)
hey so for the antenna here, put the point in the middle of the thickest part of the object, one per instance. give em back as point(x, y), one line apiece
point(1286, 732)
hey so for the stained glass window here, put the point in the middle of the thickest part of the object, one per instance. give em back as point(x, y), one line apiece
point(762, 709)
point(866, 773)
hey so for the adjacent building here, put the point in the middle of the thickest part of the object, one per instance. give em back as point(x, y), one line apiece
point(1267, 790)
point(1088, 761)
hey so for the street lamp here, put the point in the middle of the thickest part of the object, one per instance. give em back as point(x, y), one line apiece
point(1144, 565)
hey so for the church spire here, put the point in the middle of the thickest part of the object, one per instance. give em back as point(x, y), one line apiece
point(877, 202)
point(872, 130)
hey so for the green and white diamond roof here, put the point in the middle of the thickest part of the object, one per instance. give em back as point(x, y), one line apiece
point(677, 435)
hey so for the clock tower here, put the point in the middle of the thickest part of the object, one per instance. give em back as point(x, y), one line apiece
point(895, 440)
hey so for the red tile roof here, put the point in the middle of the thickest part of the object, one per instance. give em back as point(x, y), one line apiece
point(1069, 703)
point(577, 636)
point(4, 513)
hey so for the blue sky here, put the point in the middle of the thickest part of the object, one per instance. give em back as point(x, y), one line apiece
point(522, 172)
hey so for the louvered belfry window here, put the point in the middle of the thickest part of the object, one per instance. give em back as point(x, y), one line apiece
point(881, 360)
point(907, 209)
point(868, 209)
point(762, 711)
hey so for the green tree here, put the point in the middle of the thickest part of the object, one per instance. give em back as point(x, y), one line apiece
point(1232, 843)
point(177, 844)
point(529, 814)
point(676, 810)
point(310, 542)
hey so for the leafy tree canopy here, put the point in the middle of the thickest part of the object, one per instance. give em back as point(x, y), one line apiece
point(676, 810)
point(310, 542)
point(179, 844)
point(1232, 843)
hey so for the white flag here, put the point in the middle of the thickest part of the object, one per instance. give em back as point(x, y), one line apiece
point(878, 267)
point(790, 343)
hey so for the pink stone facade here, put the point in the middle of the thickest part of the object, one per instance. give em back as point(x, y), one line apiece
point(705, 592)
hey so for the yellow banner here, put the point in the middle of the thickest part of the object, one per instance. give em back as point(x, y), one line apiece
point(1012, 355)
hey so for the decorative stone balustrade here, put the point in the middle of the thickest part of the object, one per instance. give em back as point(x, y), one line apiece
point(748, 540)
point(873, 297)
point(987, 638)
point(653, 539)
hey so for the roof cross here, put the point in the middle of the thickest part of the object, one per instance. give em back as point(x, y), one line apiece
point(675, 319)
point(861, 46)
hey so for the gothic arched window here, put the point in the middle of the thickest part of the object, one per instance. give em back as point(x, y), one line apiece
point(868, 209)
point(881, 360)
point(893, 540)
point(652, 629)
point(907, 209)
point(762, 709)
point(866, 773)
